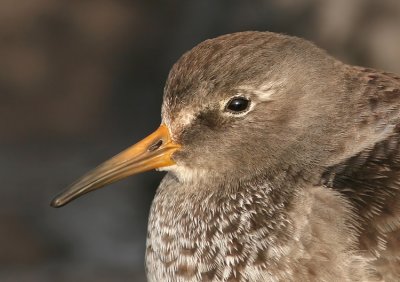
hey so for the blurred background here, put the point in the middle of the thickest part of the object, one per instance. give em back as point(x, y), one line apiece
point(82, 80)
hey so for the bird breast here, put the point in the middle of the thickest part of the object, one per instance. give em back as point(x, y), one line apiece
point(245, 235)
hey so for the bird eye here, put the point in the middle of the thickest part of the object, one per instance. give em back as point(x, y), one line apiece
point(238, 105)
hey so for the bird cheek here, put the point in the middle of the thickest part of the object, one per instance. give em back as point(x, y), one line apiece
point(181, 157)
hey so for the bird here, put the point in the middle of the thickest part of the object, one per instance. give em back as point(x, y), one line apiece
point(282, 164)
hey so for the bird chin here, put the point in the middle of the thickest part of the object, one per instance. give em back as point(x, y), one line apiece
point(186, 174)
point(167, 168)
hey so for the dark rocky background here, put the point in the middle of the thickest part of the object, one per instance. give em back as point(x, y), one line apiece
point(81, 80)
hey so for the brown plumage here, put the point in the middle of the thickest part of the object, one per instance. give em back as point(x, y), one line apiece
point(371, 178)
point(283, 165)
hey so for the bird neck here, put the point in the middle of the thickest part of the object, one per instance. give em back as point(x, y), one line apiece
point(259, 195)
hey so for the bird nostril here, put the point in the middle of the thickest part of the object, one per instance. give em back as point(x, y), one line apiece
point(155, 145)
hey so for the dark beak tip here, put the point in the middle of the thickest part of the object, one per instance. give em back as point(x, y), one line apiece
point(57, 203)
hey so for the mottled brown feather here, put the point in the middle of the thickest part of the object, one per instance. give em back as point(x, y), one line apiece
point(370, 180)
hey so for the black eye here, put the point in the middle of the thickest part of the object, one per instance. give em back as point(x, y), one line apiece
point(238, 104)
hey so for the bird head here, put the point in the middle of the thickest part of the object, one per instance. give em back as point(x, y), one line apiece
point(240, 105)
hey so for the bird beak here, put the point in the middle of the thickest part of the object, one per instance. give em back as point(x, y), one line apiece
point(155, 151)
